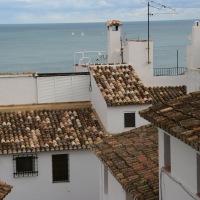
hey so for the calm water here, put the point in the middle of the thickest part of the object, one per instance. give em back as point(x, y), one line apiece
point(51, 47)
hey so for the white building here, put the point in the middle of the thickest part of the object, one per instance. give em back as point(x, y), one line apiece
point(44, 142)
point(179, 156)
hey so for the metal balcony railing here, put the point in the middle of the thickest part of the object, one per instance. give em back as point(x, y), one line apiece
point(174, 71)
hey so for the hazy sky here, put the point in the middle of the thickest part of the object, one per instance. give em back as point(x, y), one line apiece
point(68, 11)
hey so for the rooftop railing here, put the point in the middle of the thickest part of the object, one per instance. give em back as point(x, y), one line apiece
point(174, 71)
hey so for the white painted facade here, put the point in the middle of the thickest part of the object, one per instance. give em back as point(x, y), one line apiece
point(181, 182)
point(115, 117)
point(193, 59)
point(84, 172)
point(18, 89)
point(111, 188)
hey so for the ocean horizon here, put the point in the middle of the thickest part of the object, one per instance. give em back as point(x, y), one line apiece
point(51, 47)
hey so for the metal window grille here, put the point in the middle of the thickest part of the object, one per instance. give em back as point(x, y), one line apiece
point(25, 165)
point(129, 120)
point(60, 168)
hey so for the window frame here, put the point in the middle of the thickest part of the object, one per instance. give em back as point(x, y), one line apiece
point(25, 165)
point(125, 122)
point(56, 176)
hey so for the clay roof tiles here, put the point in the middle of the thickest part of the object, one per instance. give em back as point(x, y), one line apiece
point(132, 158)
point(48, 130)
point(162, 94)
point(4, 189)
point(120, 85)
point(179, 117)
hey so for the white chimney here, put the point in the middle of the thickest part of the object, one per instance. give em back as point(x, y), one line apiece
point(193, 50)
point(114, 44)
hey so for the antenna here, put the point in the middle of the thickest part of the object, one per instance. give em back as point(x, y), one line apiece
point(157, 6)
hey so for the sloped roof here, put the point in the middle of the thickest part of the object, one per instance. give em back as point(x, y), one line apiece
point(120, 85)
point(4, 189)
point(132, 158)
point(179, 117)
point(48, 129)
point(162, 94)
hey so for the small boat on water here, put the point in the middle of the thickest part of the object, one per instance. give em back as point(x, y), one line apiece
point(73, 34)
point(82, 34)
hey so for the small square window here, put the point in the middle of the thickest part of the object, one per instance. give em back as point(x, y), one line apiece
point(25, 165)
point(129, 120)
point(60, 167)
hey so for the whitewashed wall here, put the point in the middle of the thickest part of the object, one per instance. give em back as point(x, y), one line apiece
point(115, 117)
point(98, 103)
point(183, 170)
point(193, 80)
point(136, 54)
point(115, 190)
point(184, 163)
point(169, 80)
point(173, 191)
point(18, 90)
point(84, 178)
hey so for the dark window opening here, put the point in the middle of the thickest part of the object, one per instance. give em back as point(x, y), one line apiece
point(129, 120)
point(25, 165)
point(60, 168)
point(115, 28)
point(167, 153)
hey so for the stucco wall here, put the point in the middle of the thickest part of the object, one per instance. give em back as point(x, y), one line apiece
point(18, 90)
point(98, 103)
point(116, 117)
point(184, 163)
point(84, 178)
point(183, 171)
point(193, 80)
point(115, 190)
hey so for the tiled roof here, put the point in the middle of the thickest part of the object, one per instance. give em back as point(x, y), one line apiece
point(162, 94)
point(120, 85)
point(179, 117)
point(4, 189)
point(48, 130)
point(132, 158)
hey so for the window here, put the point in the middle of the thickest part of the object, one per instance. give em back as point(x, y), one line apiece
point(129, 120)
point(25, 165)
point(167, 153)
point(60, 168)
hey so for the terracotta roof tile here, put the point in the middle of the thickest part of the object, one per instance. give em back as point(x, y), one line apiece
point(120, 85)
point(4, 189)
point(132, 158)
point(179, 117)
point(48, 130)
point(162, 94)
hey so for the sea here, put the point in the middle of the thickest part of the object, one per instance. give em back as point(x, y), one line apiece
point(51, 48)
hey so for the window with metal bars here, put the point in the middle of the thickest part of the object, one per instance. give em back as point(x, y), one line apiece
point(129, 119)
point(60, 168)
point(25, 165)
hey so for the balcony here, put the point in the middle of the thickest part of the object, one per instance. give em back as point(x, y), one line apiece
point(174, 71)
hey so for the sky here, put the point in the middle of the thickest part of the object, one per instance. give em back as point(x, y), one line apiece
point(75, 11)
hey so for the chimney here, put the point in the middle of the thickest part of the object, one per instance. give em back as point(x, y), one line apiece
point(114, 44)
